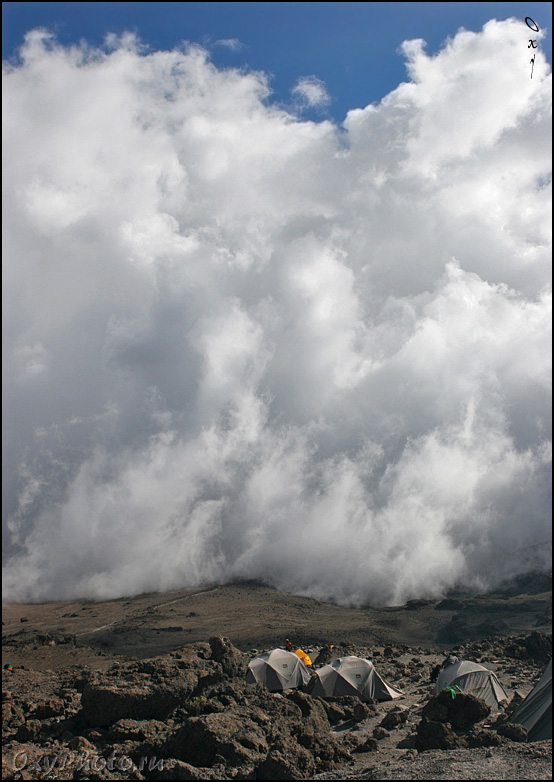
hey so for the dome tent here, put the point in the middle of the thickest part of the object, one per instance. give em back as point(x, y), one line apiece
point(278, 670)
point(351, 676)
point(472, 679)
point(535, 712)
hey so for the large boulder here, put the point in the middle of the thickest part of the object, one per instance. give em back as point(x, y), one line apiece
point(312, 731)
point(539, 647)
point(369, 745)
point(512, 731)
point(286, 760)
point(105, 703)
point(396, 716)
point(146, 689)
point(314, 720)
point(232, 737)
point(483, 738)
point(234, 663)
point(339, 707)
point(461, 712)
point(362, 711)
point(536, 646)
point(436, 735)
point(259, 732)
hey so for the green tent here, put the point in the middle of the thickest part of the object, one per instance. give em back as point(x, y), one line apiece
point(535, 712)
point(472, 679)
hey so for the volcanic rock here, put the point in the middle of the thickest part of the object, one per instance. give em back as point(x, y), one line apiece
point(286, 760)
point(234, 663)
point(12, 714)
point(483, 738)
point(135, 730)
point(232, 735)
point(361, 712)
point(462, 712)
point(177, 769)
point(29, 731)
point(149, 689)
point(512, 731)
point(395, 717)
point(539, 647)
point(436, 735)
point(369, 745)
point(80, 744)
point(314, 717)
point(339, 707)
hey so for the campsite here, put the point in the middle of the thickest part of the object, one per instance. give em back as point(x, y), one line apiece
point(197, 684)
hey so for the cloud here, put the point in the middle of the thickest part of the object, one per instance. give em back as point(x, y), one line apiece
point(311, 91)
point(233, 44)
point(239, 344)
point(31, 361)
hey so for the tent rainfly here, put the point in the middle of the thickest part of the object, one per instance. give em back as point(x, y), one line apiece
point(535, 712)
point(352, 676)
point(278, 670)
point(306, 659)
point(472, 679)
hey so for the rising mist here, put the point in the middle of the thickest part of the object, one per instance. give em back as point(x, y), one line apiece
point(238, 344)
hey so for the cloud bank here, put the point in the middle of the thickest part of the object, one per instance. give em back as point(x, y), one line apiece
point(242, 345)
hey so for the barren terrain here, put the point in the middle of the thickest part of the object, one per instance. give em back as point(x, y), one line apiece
point(70, 659)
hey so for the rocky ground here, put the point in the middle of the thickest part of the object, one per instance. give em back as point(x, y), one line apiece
point(152, 688)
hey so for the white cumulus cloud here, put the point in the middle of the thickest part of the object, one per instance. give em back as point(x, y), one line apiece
point(239, 344)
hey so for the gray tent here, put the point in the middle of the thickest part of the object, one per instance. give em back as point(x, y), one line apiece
point(351, 676)
point(278, 670)
point(535, 713)
point(472, 679)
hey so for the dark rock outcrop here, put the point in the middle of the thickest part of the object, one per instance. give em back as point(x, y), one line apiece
point(286, 760)
point(512, 731)
point(483, 738)
point(539, 647)
point(149, 689)
point(271, 735)
point(339, 707)
point(233, 736)
point(436, 735)
point(234, 663)
point(369, 745)
point(395, 717)
point(461, 712)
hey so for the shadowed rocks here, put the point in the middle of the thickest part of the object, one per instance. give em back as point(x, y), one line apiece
point(461, 712)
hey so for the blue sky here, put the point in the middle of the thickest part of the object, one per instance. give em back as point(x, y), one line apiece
point(351, 47)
